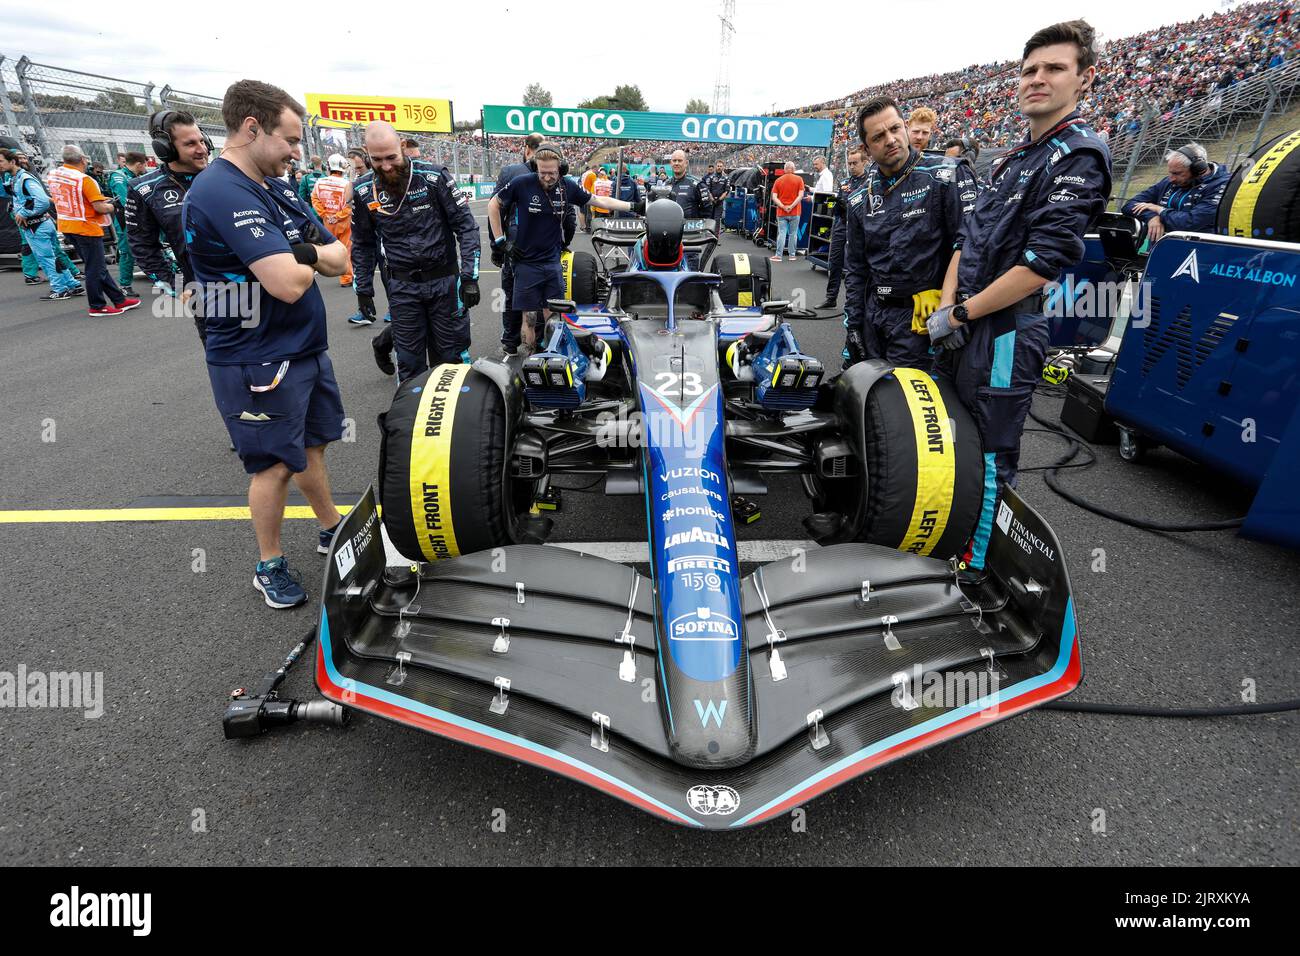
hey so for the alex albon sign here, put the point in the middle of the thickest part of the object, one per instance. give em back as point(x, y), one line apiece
point(668, 127)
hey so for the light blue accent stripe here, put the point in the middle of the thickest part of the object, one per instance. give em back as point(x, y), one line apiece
point(1004, 351)
point(408, 704)
point(984, 528)
point(1065, 150)
point(1024, 687)
point(1029, 254)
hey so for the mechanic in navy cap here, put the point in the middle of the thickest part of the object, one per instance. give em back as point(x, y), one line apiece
point(1025, 228)
point(539, 200)
point(247, 231)
point(902, 226)
point(410, 212)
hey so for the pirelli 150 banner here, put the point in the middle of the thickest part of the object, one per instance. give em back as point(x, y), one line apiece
point(407, 114)
point(669, 127)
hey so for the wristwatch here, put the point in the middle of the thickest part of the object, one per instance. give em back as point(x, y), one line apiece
point(960, 314)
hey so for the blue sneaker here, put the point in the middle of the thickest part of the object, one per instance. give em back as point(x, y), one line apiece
point(359, 318)
point(388, 316)
point(327, 537)
point(280, 586)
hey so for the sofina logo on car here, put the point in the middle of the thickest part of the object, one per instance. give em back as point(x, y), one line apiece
point(703, 624)
point(708, 801)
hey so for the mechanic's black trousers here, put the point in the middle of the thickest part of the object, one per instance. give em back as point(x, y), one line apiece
point(835, 270)
point(512, 320)
point(428, 319)
point(995, 375)
point(888, 335)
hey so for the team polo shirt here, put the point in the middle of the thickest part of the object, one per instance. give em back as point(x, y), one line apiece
point(230, 222)
point(540, 215)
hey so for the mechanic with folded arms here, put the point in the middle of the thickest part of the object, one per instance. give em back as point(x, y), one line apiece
point(839, 224)
point(409, 212)
point(540, 199)
point(511, 318)
point(153, 204)
point(1187, 199)
point(901, 228)
point(1026, 227)
point(271, 375)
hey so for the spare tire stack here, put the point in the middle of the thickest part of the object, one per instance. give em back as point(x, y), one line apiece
point(1262, 200)
point(745, 279)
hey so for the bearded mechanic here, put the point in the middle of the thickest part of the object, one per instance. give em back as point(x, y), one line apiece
point(409, 213)
point(901, 227)
point(691, 194)
point(541, 200)
point(1027, 226)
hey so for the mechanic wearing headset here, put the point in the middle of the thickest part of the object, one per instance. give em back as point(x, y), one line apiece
point(902, 225)
point(153, 203)
point(409, 213)
point(839, 224)
point(1187, 199)
point(1026, 227)
point(539, 198)
point(511, 318)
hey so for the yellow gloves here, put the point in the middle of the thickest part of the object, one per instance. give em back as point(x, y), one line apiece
point(923, 306)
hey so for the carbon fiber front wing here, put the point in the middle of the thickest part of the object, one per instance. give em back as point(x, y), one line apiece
point(859, 656)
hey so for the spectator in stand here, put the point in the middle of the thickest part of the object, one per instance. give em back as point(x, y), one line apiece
point(83, 212)
point(787, 196)
point(131, 167)
point(1185, 200)
point(920, 127)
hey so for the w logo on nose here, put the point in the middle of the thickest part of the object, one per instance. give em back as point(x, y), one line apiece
point(713, 712)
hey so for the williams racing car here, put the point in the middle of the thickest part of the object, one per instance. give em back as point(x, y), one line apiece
point(707, 692)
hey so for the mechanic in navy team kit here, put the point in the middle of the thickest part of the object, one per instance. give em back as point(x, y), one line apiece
point(839, 224)
point(247, 229)
point(902, 226)
point(1025, 228)
point(153, 204)
point(512, 318)
point(719, 186)
point(1187, 199)
point(692, 195)
point(539, 199)
point(409, 212)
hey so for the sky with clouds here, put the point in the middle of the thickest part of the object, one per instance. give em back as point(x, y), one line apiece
point(489, 53)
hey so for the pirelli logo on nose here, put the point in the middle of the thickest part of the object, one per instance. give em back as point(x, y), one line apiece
point(431, 491)
point(358, 111)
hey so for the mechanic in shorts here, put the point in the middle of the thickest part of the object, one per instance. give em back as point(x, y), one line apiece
point(540, 200)
point(249, 231)
point(1027, 226)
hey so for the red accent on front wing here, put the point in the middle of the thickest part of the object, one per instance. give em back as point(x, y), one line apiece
point(423, 722)
point(1068, 682)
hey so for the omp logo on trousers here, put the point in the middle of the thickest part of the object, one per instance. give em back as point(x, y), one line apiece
point(431, 461)
point(936, 461)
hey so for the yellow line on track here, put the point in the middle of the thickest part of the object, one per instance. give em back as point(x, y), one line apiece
point(92, 515)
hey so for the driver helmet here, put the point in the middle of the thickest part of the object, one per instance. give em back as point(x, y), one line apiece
point(664, 223)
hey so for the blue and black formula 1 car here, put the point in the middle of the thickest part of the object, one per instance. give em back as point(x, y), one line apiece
point(708, 693)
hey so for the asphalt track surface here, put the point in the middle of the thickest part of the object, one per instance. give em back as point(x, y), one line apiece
point(1174, 620)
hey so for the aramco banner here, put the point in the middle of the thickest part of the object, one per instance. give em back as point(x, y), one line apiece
point(667, 127)
point(406, 113)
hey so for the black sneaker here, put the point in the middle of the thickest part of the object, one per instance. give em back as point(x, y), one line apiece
point(130, 293)
point(77, 290)
point(383, 357)
point(32, 280)
point(279, 586)
point(327, 538)
point(828, 304)
point(55, 296)
point(508, 350)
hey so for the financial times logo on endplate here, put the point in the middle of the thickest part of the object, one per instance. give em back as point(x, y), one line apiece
point(703, 624)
